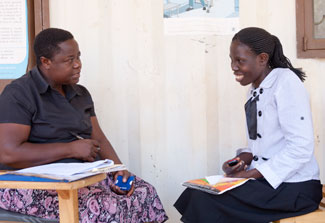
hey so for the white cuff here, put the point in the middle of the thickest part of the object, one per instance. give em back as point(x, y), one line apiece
point(269, 175)
point(243, 150)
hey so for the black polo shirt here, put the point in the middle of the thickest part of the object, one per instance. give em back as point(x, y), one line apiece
point(30, 100)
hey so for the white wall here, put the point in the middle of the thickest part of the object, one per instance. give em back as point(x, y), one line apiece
point(169, 104)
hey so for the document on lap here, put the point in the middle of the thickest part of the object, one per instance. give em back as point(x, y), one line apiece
point(70, 171)
point(217, 184)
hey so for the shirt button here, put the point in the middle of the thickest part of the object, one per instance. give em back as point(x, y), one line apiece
point(254, 94)
point(259, 136)
point(261, 91)
point(260, 113)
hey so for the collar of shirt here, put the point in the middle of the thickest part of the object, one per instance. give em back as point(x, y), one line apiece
point(43, 86)
point(268, 81)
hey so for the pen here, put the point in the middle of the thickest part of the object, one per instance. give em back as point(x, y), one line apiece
point(76, 135)
point(80, 137)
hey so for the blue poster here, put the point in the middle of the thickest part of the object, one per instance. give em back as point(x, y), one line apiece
point(13, 38)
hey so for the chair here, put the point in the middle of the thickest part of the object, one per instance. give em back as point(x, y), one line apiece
point(317, 216)
point(67, 193)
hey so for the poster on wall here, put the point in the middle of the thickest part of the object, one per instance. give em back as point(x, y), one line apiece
point(216, 17)
point(13, 38)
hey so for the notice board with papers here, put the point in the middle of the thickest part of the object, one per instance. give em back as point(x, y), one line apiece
point(20, 21)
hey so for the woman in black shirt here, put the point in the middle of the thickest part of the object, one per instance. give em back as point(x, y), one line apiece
point(40, 114)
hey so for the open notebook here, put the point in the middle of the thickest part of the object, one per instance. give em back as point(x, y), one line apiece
point(65, 172)
point(217, 184)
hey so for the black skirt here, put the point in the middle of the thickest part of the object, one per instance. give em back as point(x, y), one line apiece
point(254, 202)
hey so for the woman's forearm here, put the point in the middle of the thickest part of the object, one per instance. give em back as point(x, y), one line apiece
point(106, 149)
point(32, 154)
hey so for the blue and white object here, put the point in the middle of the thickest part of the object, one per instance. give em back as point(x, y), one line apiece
point(124, 185)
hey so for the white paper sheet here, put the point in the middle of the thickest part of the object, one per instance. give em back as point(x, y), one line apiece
point(70, 171)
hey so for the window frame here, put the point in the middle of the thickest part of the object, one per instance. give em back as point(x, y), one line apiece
point(38, 19)
point(307, 45)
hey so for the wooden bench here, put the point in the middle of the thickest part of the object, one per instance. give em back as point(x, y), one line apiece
point(317, 216)
point(67, 193)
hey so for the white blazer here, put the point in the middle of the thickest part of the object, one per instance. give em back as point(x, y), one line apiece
point(284, 148)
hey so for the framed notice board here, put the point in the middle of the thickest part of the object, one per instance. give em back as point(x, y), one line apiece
point(20, 22)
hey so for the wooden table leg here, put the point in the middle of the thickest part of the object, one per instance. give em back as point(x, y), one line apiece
point(68, 206)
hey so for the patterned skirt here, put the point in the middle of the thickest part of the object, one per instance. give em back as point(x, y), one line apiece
point(97, 203)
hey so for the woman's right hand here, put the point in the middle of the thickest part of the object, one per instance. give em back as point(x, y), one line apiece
point(234, 169)
point(85, 149)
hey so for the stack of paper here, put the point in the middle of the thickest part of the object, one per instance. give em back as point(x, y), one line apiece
point(217, 184)
point(70, 171)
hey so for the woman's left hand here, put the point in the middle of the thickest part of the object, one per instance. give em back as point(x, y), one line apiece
point(126, 174)
point(253, 173)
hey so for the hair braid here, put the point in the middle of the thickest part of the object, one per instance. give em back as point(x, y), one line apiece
point(260, 41)
point(279, 60)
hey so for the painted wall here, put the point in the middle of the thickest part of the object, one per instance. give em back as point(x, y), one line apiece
point(169, 104)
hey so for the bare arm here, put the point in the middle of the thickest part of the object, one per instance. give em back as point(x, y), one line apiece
point(253, 173)
point(17, 152)
point(106, 149)
point(108, 152)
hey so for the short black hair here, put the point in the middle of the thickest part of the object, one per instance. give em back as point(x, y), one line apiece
point(261, 41)
point(47, 41)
